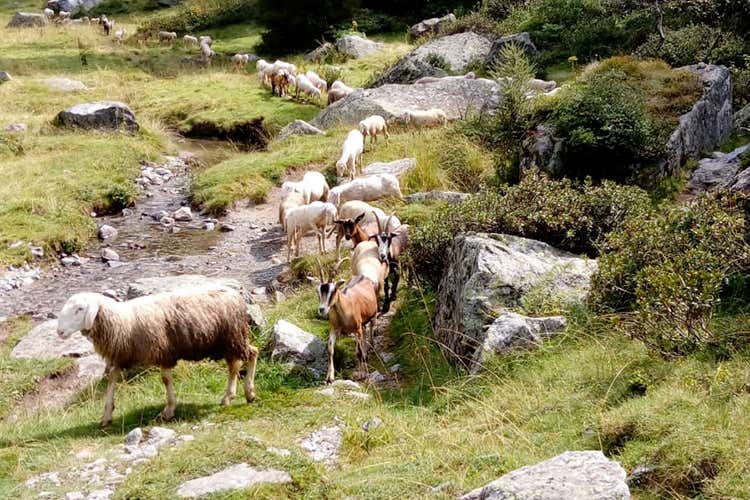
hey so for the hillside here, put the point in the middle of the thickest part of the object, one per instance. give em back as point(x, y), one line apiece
point(575, 279)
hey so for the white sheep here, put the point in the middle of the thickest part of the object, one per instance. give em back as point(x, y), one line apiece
point(289, 200)
point(63, 14)
point(167, 36)
point(120, 36)
point(304, 85)
point(189, 40)
point(207, 52)
point(279, 65)
point(48, 13)
point(338, 91)
point(316, 80)
point(159, 330)
point(264, 70)
point(351, 152)
point(434, 117)
point(205, 39)
point(240, 60)
point(372, 126)
point(370, 188)
point(312, 187)
point(318, 216)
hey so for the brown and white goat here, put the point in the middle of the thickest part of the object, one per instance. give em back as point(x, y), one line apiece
point(391, 244)
point(349, 309)
point(351, 229)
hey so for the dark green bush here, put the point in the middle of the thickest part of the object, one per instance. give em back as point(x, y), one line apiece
point(564, 214)
point(693, 44)
point(114, 7)
point(477, 22)
point(372, 21)
point(741, 83)
point(500, 9)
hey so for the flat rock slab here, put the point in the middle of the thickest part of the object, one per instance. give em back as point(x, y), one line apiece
point(5, 77)
point(397, 167)
point(65, 84)
point(299, 127)
point(432, 26)
point(160, 284)
point(356, 46)
point(455, 96)
point(27, 20)
point(42, 342)
point(294, 345)
point(717, 173)
point(236, 477)
point(580, 475)
point(103, 115)
point(324, 444)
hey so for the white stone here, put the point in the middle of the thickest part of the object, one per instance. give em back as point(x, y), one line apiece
point(324, 444)
point(183, 214)
point(236, 477)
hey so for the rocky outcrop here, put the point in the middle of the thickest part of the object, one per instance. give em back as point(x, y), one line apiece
point(320, 54)
point(298, 127)
point(72, 6)
point(522, 40)
point(15, 128)
point(488, 273)
point(397, 167)
point(27, 20)
point(236, 477)
point(292, 344)
point(583, 475)
point(741, 119)
point(707, 124)
point(431, 26)
point(542, 150)
point(454, 96)
point(356, 46)
point(719, 172)
point(104, 115)
point(435, 195)
point(452, 53)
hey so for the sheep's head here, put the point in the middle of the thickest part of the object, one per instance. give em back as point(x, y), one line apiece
point(78, 314)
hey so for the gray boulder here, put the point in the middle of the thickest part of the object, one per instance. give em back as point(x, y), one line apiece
point(720, 172)
point(583, 475)
point(356, 46)
point(5, 77)
point(489, 273)
point(397, 167)
point(27, 20)
point(294, 345)
point(432, 26)
point(542, 150)
point(454, 96)
point(107, 232)
point(522, 40)
point(43, 342)
point(454, 53)
point(236, 477)
point(72, 6)
point(298, 127)
point(707, 124)
point(105, 115)
point(741, 119)
point(65, 84)
point(435, 195)
point(512, 331)
point(150, 286)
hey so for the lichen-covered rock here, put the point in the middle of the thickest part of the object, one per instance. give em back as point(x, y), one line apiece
point(707, 124)
point(356, 46)
point(294, 345)
point(454, 96)
point(741, 119)
point(236, 477)
point(396, 167)
point(299, 127)
point(27, 20)
point(488, 273)
point(454, 53)
point(104, 115)
point(522, 40)
point(431, 26)
point(542, 150)
point(718, 173)
point(580, 475)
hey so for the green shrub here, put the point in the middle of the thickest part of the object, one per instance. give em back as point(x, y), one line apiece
point(477, 22)
point(197, 15)
point(741, 83)
point(373, 21)
point(438, 61)
point(569, 216)
point(330, 74)
point(113, 7)
point(693, 44)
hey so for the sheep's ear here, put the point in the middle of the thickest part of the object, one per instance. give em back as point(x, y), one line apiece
point(92, 309)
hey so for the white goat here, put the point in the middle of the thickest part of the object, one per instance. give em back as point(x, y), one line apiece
point(351, 152)
point(372, 126)
point(264, 69)
point(289, 200)
point(370, 188)
point(240, 60)
point(318, 216)
point(279, 65)
point(313, 187)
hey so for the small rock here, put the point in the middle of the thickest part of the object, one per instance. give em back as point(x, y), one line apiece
point(37, 252)
point(126, 212)
point(166, 221)
point(236, 477)
point(279, 296)
point(183, 214)
point(386, 356)
point(109, 255)
point(377, 378)
point(261, 290)
point(160, 215)
point(107, 232)
point(100, 495)
point(70, 261)
point(209, 226)
point(357, 395)
point(110, 293)
point(373, 423)
point(327, 391)
point(5, 77)
point(324, 444)
point(115, 264)
point(16, 244)
point(279, 451)
point(350, 384)
point(134, 437)
point(226, 228)
point(395, 368)
point(74, 495)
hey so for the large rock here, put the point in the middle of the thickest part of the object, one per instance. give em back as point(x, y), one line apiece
point(356, 46)
point(454, 53)
point(43, 342)
point(397, 167)
point(741, 119)
point(65, 84)
point(294, 345)
point(707, 124)
point(105, 115)
point(542, 150)
point(27, 20)
point(72, 6)
point(236, 477)
point(522, 40)
point(150, 286)
point(455, 96)
point(298, 127)
point(717, 173)
point(432, 26)
point(512, 331)
point(488, 273)
point(580, 475)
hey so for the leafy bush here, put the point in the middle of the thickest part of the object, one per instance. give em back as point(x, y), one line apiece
point(373, 21)
point(500, 9)
point(113, 7)
point(693, 44)
point(200, 15)
point(741, 84)
point(477, 22)
point(569, 216)
point(330, 74)
point(438, 61)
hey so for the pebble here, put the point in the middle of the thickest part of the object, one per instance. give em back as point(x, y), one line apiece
point(109, 255)
point(183, 214)
point(107, 232)
point(225, 228)
point(373, 423)
point(209, 226)
point(37, 252)
point(395, 368)
point(166, 221)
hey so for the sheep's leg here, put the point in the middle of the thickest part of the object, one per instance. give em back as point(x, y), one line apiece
point(109, 404)
point(234, 365)
point(250, 375)
point(166, 378)
point(331, 346)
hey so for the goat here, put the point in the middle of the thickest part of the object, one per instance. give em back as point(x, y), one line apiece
point(391, 244)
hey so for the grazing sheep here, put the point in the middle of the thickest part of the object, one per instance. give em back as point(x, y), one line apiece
point(313, 187)
point(304, 85)
point(280, 83)
point(318, 216)
point(95, 20)
point(159, 330)
point(167, 36)
point(240, 60)
point(434, 117)
point(48, 13)
point(372, 126)
point(279, 65)
point(338, 91)
point(207, 52)
point(351, 152)
point(206, 40)
point(370, 188)
point(316, 80)
point(63, 14)
point(289, 200)
point(108, 26)
point(264, 69)
point(120, 36)
point(189, 40)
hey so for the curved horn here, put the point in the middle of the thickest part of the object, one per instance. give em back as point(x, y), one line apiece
point(377, 219)
point(337, 266)
point(320, 270)
point(388, 223)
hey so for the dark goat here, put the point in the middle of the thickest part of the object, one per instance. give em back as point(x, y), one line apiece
point(390, 247)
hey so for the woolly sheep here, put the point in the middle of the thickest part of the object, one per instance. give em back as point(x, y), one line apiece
point(289, 200)
point(159, 330)
point(318, 216)
point(63, 14)
point(373, 126)
point(338, 84)
point(316, 80)
point(239, 60)
point(189, 40)
point(434, 117)
point(120, 36)
point(313, 187)
point(338, 91)
point(279, 65)
point(304, 85)
point(167, 36)
point(264, 69)
point(280, 82)
point(370, 188)
point(48, 12)
point(206, 40)
point(207, 51)
point(351, 152)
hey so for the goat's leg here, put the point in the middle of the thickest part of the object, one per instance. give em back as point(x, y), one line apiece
point(166, 378)
point(109, 400)
point(362, 348)
point(339, 236)
point(250, 375)
point(331, 346)
point(234, 365)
